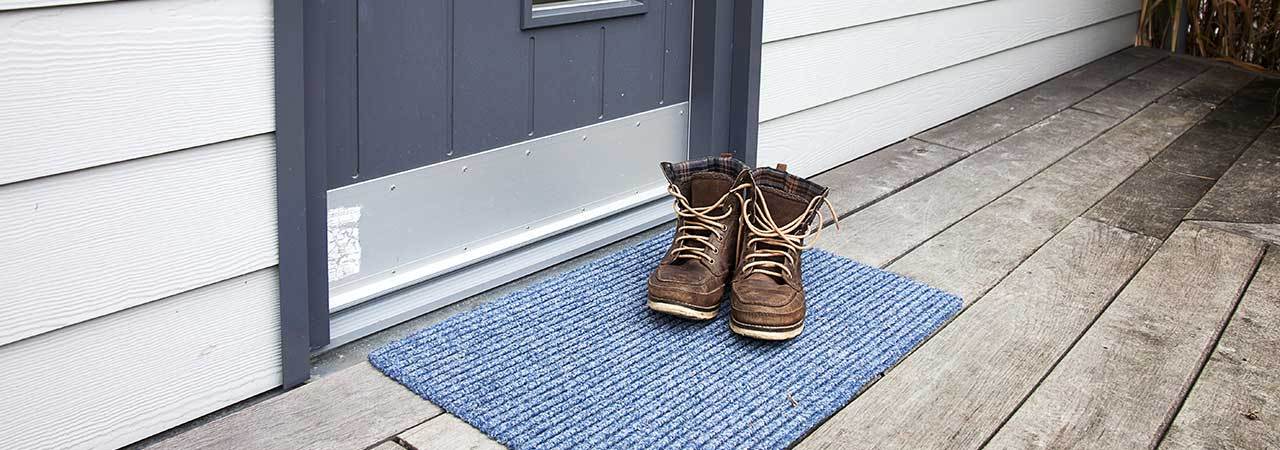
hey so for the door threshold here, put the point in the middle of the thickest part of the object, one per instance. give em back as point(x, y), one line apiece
point(402, 305)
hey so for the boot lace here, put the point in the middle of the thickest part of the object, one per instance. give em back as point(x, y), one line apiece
point(773, 248)
point(698, 225)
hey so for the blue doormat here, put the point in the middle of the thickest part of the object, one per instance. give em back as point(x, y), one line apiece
point(579, 361)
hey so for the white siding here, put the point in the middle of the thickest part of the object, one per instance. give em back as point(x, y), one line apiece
point(21, 4)
point(112, 381)
point(790, 18)
point(137, 216)
point(848, 84)
point(91, 84)
point(121, 235)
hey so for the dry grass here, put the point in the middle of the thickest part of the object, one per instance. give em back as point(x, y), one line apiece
point(1243, 32)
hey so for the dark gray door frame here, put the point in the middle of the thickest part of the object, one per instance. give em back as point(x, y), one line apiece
point(297, 223)
point(725, 100)
point(726, 78)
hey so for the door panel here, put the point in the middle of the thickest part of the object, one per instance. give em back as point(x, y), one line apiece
point(442, 79)
point(402, 229)
point(454, 135)
point(403, 86)
point(332, 89)
point(567, 78)
point(492, 87)
point(633, 63)
point(677, 31)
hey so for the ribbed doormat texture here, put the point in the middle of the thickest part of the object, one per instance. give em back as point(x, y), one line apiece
point(579, 361)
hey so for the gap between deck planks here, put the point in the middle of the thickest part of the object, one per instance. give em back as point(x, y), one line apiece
point(1123, 381)
point(1235, 399)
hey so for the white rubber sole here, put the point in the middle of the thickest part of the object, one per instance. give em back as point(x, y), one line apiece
point(683, 312)
point(766, 335)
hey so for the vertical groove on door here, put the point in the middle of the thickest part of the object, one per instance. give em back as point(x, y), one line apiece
point(332, 85)
point(604, 45)
point(357, 18)
point(675, 54)
point(533, 83)
point(662, 64)
point(450, 18)
point(403, 121)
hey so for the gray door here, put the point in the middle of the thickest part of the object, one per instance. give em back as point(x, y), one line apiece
point(459, 130)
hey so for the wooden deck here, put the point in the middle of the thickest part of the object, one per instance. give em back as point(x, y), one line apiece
point(1112, 232)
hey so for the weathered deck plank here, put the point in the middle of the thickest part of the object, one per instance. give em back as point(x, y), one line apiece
point(1152, 202)
point(1172, 72)
point(1269, 232)
point(1121, 383)
point(1238, 121)
point(1234, 402)
point(388, 445)
point(966, 259)
point(448, 431)
point(351, 409)
point(1216, 84)
point(862, 181)
point(1249, 192)
point(1162, 193)
point(1128, 96)
point(986, 126)
point(974, 254)
point(892, 227)
point(956, 389)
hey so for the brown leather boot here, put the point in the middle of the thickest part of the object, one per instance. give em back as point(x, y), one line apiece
point(690, 280)
point(767, 299)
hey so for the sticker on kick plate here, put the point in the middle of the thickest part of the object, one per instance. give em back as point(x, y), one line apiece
point(344, 242)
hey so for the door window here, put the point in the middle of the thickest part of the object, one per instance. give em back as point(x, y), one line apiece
point(545, 13)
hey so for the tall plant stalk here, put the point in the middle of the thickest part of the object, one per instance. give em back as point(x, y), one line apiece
point(1243, 32)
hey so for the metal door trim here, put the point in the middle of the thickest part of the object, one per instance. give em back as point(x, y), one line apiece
point(399, 230)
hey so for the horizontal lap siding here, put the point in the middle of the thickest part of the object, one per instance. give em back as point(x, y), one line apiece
point(835, 94)
point(89, 243)
point(137, 216)
point(790, 18)
point(24, 4)
point(112, 381)
point(91, 84)
point(805, 72)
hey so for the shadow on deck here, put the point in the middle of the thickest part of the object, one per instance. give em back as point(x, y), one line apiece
point(1112, 232)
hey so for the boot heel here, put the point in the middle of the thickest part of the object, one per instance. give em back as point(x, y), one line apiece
point(683, 311)
point(767, 334)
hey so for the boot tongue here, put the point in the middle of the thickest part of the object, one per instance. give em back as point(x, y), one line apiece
point(784, 208)
point(707, 188)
